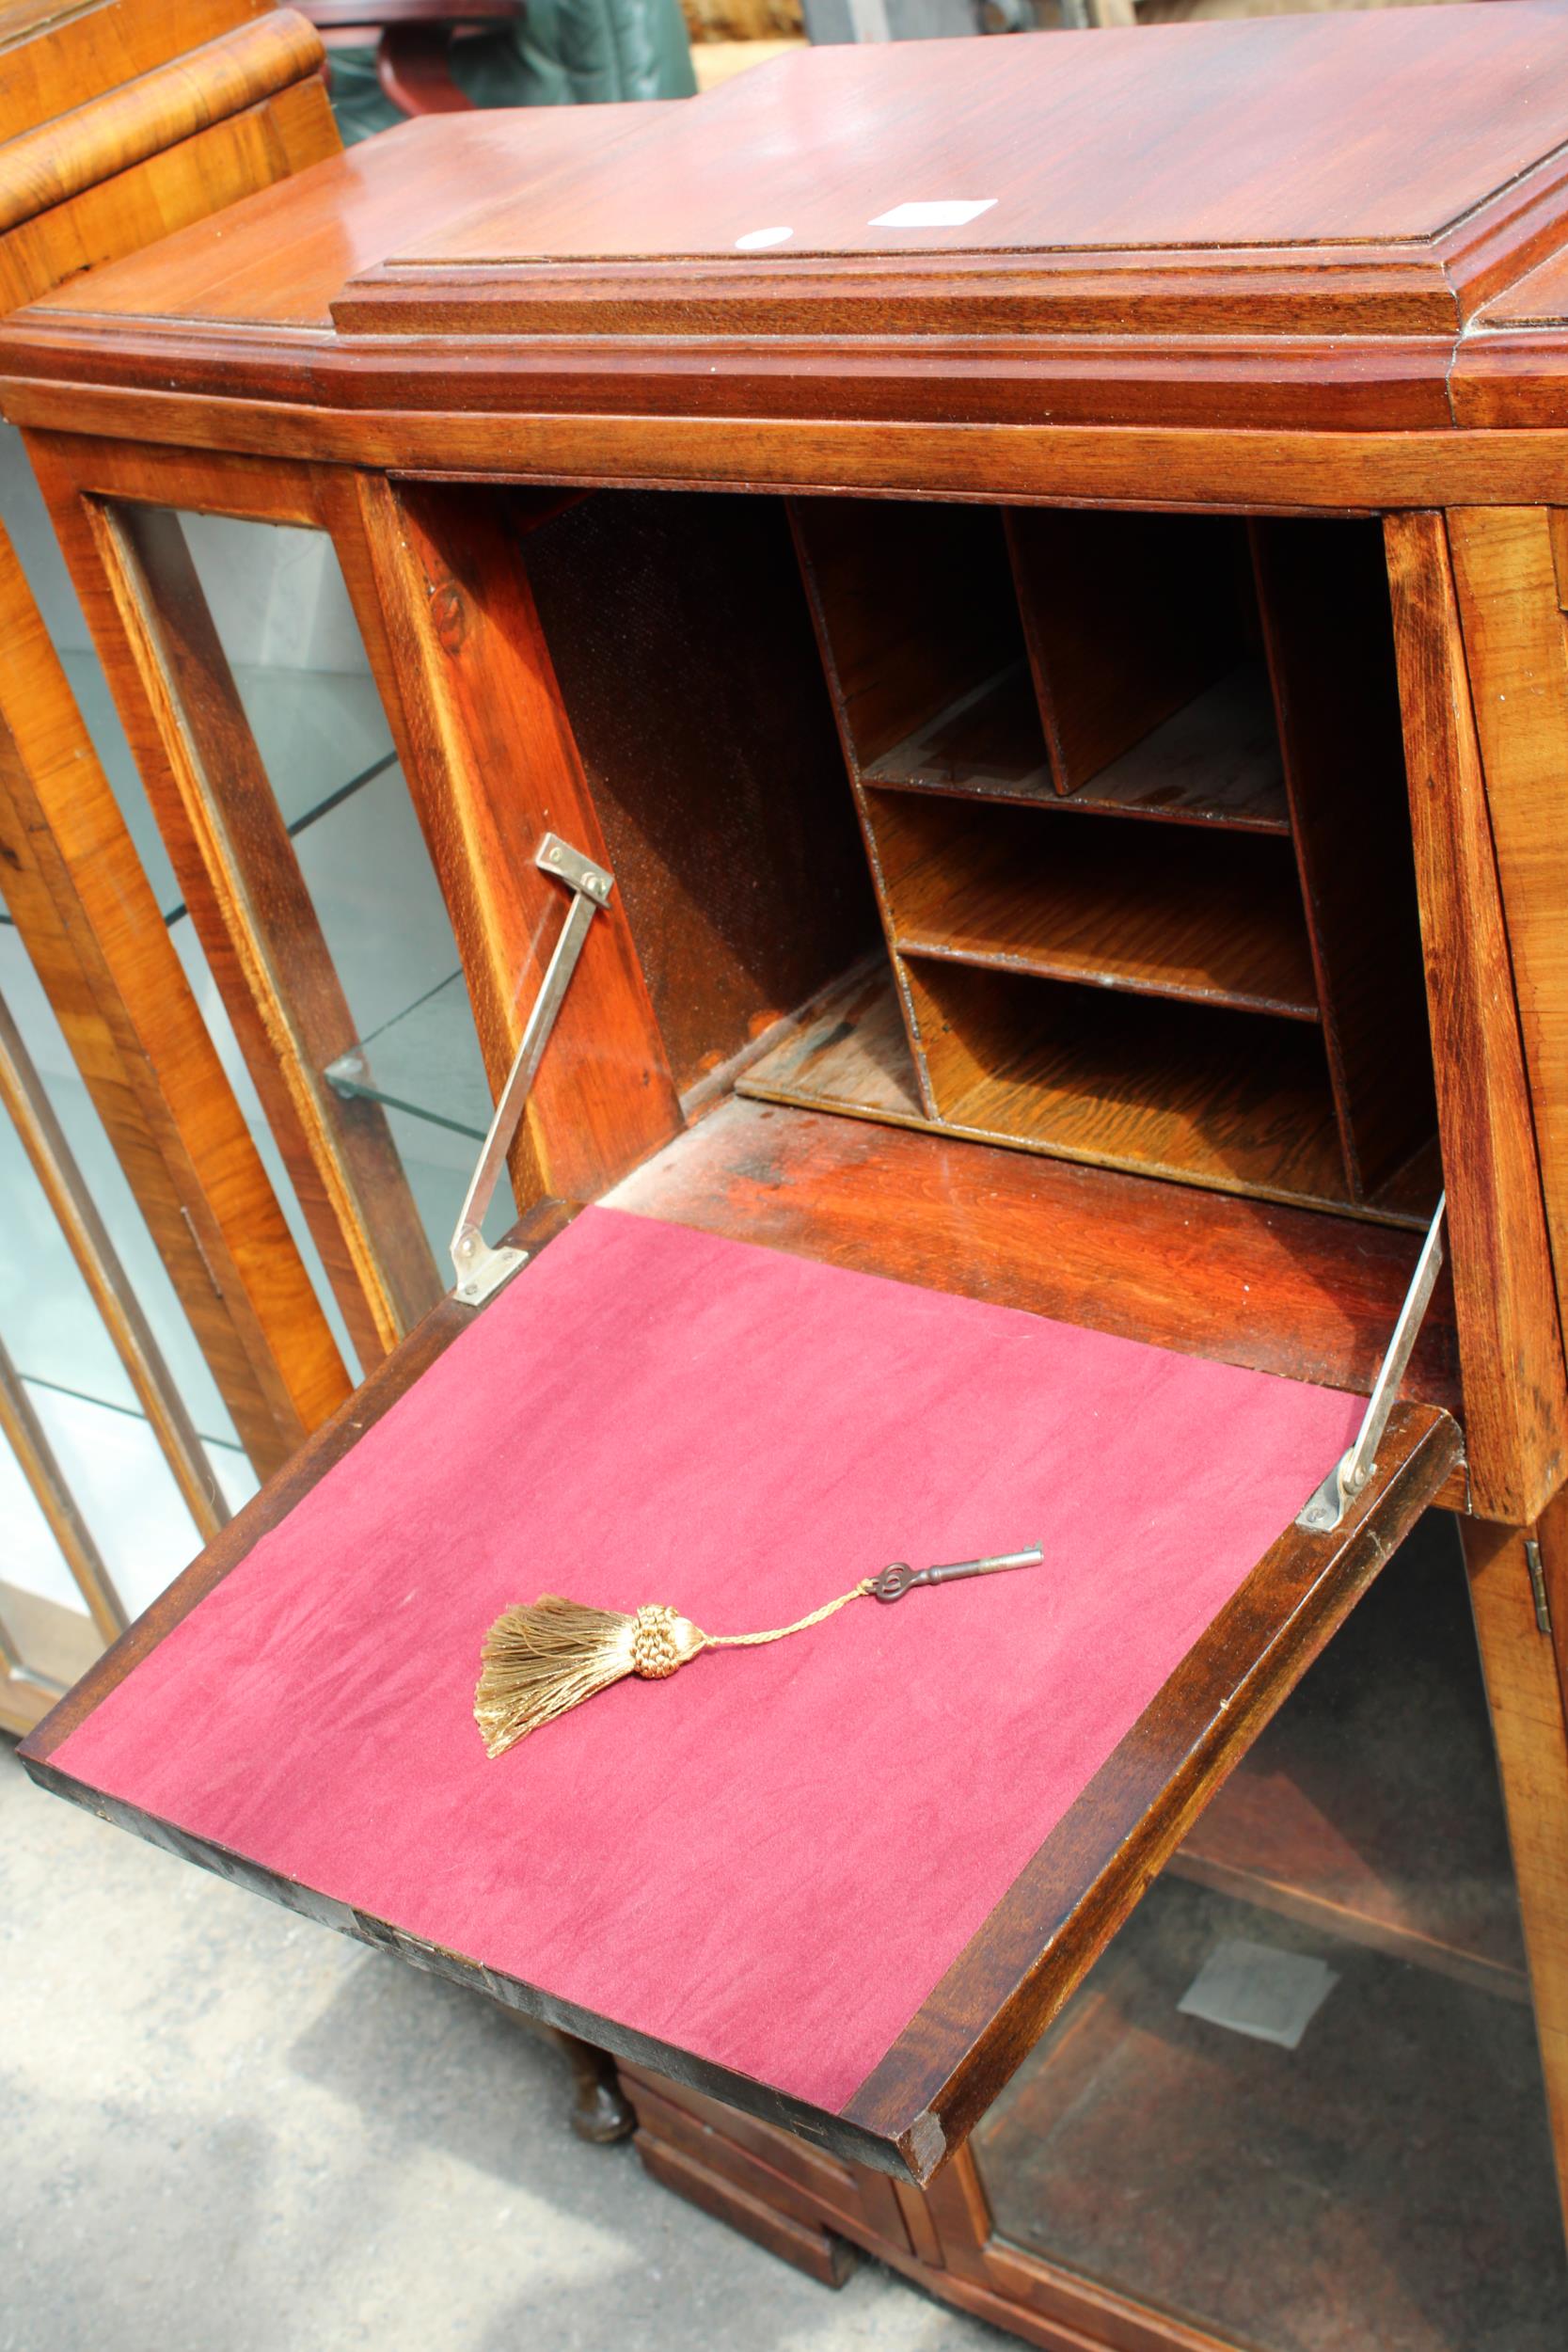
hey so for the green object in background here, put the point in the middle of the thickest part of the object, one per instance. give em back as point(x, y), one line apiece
point(559, 53)
point(358, 101)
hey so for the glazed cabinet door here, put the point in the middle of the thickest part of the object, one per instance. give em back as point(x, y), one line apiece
point(1298, 2104)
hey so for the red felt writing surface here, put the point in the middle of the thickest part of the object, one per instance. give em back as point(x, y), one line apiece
point(772, 1858)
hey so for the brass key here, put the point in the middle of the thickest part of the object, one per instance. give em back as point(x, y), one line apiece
point(899, 1579)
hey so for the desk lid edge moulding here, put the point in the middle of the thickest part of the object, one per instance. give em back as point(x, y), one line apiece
point(845, 1881)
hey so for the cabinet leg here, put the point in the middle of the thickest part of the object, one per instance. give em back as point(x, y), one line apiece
point(1525, 1695)
point(600, 2110)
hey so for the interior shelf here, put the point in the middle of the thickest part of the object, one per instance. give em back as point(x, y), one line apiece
point(1214, 762)
point(988, 742)
point(847, 1051)
point(1216, 920)
point(1193, 1099)
point(1148, 1084)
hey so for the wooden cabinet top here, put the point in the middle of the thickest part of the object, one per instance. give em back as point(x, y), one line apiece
point(1337, 222)
point(1361, 129)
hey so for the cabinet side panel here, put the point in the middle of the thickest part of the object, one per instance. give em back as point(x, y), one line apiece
point(678, 629)
point(1510, 1339)
point(496, 766)
point(1518, 652)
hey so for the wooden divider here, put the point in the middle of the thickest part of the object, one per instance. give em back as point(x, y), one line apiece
point(1131, 790)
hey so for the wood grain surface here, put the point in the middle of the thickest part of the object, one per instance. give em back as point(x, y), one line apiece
point(495, 767)
point(1510, 591)
point(1281, 1289)
point(96, 141)
point(285, 253)
point(1509, 1333)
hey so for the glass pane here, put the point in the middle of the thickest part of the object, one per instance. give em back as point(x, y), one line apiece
point(283, 617)
point(42, 1618)
point(280, 609)
point(1299, 2099)
point(51, 1324)
point(70, 1369)
point(235, 1069)
point(33, 1562)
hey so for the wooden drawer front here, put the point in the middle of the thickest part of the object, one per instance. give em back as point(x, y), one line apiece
point(740, 2146)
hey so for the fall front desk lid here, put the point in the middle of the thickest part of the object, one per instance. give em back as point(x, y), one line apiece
point(844, 1880)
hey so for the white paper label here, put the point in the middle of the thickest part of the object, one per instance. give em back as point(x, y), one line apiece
point(951, 214)
point(1257, 1989)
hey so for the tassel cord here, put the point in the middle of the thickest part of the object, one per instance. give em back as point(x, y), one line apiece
point(751, 1641)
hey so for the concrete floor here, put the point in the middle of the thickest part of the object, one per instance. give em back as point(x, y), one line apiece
point(228, 2130)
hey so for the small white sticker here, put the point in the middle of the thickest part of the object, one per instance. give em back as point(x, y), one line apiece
point(755, 239)
point(951, 214)
point(1260, 1991)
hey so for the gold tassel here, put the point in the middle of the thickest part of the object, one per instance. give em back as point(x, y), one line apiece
point(542, 1660)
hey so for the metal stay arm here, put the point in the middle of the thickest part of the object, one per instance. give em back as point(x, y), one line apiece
point(481, 1269)
point(1333, 1498)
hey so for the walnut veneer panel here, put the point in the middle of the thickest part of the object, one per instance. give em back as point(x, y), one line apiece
point(281, 257)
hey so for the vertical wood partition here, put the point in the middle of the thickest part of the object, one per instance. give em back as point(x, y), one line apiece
point(1322, 594)
point(1128, 617)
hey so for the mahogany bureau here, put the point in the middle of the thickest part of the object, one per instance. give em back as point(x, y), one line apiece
point(1040, 570)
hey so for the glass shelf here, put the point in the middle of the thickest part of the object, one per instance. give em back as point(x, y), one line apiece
point(319, 733)
point(425, 1061)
